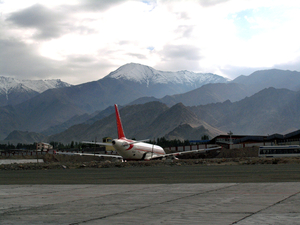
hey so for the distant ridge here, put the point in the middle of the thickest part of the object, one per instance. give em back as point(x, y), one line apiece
point(56, 110)
point(150, 120)
point(24, 137)
point(268, 111)
point(270, 78)
point(14, 91)
point(239, 88)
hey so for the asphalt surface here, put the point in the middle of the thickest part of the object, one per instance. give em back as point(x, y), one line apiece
point(248, 194)
point(156, 175)
point(219, 203)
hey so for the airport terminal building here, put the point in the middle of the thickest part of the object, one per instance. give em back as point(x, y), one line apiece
point(240, 141)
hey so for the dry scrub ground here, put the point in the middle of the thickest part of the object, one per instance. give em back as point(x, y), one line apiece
point(245, 156)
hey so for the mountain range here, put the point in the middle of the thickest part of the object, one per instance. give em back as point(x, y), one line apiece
point(266, 112)
point(56, 106)
point(235, 90)
point(14, 91)
point(204, 104)
point(153, 119)
point(269, 111)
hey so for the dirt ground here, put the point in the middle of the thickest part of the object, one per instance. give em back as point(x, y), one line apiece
point(245, 156)
point(234, 165)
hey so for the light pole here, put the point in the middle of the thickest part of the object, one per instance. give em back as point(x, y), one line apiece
point(95, 146)
point(230, 140)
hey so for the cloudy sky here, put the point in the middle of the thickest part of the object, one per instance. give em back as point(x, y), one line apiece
point(83, 40)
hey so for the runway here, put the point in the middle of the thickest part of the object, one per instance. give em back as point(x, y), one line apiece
point(181, 203)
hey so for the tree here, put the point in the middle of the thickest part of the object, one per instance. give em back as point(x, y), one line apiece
point(205, 137)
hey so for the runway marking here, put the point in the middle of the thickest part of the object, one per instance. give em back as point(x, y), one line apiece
point(233, 193)
point(19, 209)
point(261, 210)
point(150, 205)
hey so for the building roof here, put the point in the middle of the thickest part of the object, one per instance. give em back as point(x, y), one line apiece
point(236, 139)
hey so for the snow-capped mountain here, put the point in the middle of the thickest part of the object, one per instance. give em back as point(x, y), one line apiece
point(147, 75)
point(14, 91)
point(9, 83)
point(54, 107)
point(128, 83)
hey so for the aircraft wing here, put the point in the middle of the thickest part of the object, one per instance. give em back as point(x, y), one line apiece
point(90, 154)
point(187, 152)
point(110, 144)
point(145, 140)
point(96, 143)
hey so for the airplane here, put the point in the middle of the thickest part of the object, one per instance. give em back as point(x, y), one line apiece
point(129, 150)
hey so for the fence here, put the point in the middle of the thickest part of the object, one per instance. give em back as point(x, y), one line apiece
point(24, 152)
point(189, 147)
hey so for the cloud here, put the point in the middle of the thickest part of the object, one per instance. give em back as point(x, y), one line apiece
point(19, 59)
point(209, 3)
point(179, 57)
point(54, 22)
point(47, 22)
point(186, 31)
point(293, 65)
point(23, 61)
point(204, 3)
point(96, 5)
point(235, 71)
point(86, 39)
point(34, 16)
point(185, 52)
point(138, 56)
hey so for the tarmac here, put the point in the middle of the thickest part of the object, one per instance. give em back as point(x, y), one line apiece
point(180, 203)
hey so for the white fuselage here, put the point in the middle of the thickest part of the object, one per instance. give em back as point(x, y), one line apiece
point(132, 150)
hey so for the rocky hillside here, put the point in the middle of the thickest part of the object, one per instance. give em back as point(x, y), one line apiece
point(151, 120)
point(266, 112)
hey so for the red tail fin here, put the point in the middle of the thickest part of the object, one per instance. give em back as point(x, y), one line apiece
point(119, 124)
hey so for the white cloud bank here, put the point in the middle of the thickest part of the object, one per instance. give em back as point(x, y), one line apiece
point(81, 41)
